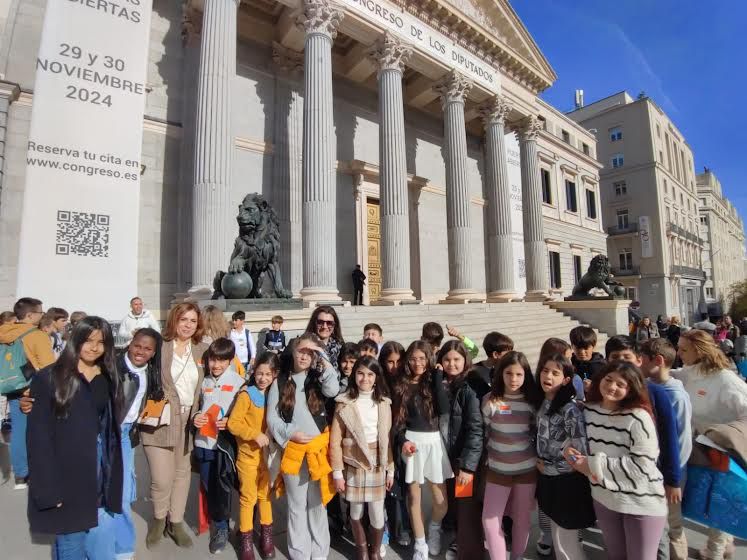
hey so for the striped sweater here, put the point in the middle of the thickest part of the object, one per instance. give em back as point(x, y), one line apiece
point(623, 449)
point(510, 431)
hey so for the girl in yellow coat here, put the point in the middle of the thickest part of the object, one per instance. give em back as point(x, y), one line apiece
point(248, 423)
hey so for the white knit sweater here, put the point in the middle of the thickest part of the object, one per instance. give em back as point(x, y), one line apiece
point(623, 451)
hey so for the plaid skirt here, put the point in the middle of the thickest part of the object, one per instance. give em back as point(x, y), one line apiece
point(362, 485)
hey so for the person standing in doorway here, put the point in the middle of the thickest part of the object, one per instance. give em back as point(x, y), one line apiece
point(137, 318)
point(359, 280)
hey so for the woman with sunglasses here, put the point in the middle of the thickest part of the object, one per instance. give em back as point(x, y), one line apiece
point(325, 324)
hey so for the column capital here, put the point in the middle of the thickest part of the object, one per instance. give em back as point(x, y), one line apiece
point(321, 17)
point(191, 25)
point(495, 110)
point(389, 53)
point(9, 91)
point(453, 88)
point(528, 128)
point(287, 60)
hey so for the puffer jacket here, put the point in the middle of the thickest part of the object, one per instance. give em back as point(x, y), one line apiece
point(463, 432)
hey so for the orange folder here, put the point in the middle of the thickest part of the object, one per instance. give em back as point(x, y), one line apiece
point(464, 490)
point(210, 429)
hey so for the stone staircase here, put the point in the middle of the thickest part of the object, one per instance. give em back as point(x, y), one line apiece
point(528, 324)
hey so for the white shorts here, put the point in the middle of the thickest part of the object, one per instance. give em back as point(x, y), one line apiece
point(430, 461)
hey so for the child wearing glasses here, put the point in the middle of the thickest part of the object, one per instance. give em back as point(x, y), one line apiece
point(420, 398)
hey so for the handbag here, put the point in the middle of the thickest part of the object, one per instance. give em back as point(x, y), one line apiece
point(156, 413)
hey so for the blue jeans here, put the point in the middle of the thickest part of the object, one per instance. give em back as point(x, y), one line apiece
point(122, 523)
point(94, 544)
point(205, 460)
point(18, 458)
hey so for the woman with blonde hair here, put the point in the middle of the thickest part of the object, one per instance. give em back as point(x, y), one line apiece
point(168, 446)
point(718, 396)
point(215, 324)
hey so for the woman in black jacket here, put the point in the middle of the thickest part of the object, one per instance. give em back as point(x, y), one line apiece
point(74, 449)
point(463, 434)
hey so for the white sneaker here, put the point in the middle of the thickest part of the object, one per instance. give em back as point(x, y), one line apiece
point(21, 483)
point(382, 550)
point(434, 539)
point(420, 552)
point(451, 554)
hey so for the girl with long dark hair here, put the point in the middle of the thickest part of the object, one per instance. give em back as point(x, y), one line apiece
point(74, 445)
point(420, 398)
point(298, 418)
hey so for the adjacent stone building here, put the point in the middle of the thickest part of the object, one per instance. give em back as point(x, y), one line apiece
point(722, 231)
point(378, 129)
point(650, 203)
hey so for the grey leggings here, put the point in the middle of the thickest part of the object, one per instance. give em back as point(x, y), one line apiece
point(629, 536)
point(375, 512)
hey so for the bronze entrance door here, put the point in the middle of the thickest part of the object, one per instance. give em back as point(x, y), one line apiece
point(373, 232)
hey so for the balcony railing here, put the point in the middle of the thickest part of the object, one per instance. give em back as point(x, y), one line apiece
point(622, 230)
point(674, 229)
point(688, 271)
point(631, 271)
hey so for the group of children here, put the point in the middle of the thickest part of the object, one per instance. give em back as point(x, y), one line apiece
point(587, 439)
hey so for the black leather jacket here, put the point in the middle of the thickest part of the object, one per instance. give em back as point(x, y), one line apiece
point(464, 433)
point(129, 384)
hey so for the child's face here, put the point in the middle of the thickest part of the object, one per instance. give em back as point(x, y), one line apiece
point(60, 324)
point(552, 378)
point(372, 334)
point(513, 379)
point(238, 324)
point(648, 366)
point(392, 363)
point(418, 363)
point(453, 363)
point(263, 376)
point(346, 365)
point(686, 352)
point(277, 325)
point(217, 367)
point(93, 348)
point(304, 355)
point(368, 352)
point(583, 354)
point(365, 379)
point(613, 388)
point(141, 350)
point(626, 355)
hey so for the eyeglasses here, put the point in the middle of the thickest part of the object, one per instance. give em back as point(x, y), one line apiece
point(322, 323)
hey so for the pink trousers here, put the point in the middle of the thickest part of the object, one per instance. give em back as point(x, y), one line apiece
point(515, 501)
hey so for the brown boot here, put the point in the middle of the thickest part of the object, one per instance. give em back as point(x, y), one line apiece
point(246, 546)
point(156, 530)
point(375, 536)
point(266, 544)
point(178, 533)
point(359, 534)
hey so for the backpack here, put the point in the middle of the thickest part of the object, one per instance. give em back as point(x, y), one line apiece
point(15, 369)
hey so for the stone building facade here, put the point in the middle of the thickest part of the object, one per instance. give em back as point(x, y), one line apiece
point(722, 231)
point(650, 203)
point(377, 129)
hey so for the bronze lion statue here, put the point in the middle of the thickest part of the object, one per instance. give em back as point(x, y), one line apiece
point(598, 276)
point(256, 249)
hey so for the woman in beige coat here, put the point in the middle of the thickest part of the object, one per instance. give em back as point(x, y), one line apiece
point(360, 452)
point(168, 447)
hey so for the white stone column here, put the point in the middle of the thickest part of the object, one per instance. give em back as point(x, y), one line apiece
point(500, 243)
point(453, 90)
point(535, 250)
point(390, 55)
point(213, 226)
point(287, 157)
point(320, 20)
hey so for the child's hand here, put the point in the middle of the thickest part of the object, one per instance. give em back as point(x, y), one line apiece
point(300, 437)
point(222, 423)
point(409, 449)
point(453, 331)
point(674, 494)
point(340, 485)
point(464, 478)
point(587, 385)
point(389, 482)
point(200, 420)
point(577, 461)
point(541, 466)
point(262, 440)
point(26, 402)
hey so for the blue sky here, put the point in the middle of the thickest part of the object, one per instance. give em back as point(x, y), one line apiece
point(688, 56)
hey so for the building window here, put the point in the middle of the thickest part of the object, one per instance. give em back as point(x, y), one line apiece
point(546, 187)
point(621, 188)
point(622, 219)
point(658, 131)
point(577, 271)
point(543, 122)
point(591, 204)
point(626, 260)
point(661, 157)
point(585, 148)
point(669, 214)
point(566, 136)
point(570, 196)
point(631, 293)
point(666, 186)
point(617, 161)
point(555, 280)
point(709, 293)
point(616, 134)
point(704, 220)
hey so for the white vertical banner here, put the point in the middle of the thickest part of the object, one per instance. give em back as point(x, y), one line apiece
point(513, 164)
point(79, 231)
point(644, 232)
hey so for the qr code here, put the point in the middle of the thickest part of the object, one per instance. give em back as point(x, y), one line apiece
point(82, 234)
